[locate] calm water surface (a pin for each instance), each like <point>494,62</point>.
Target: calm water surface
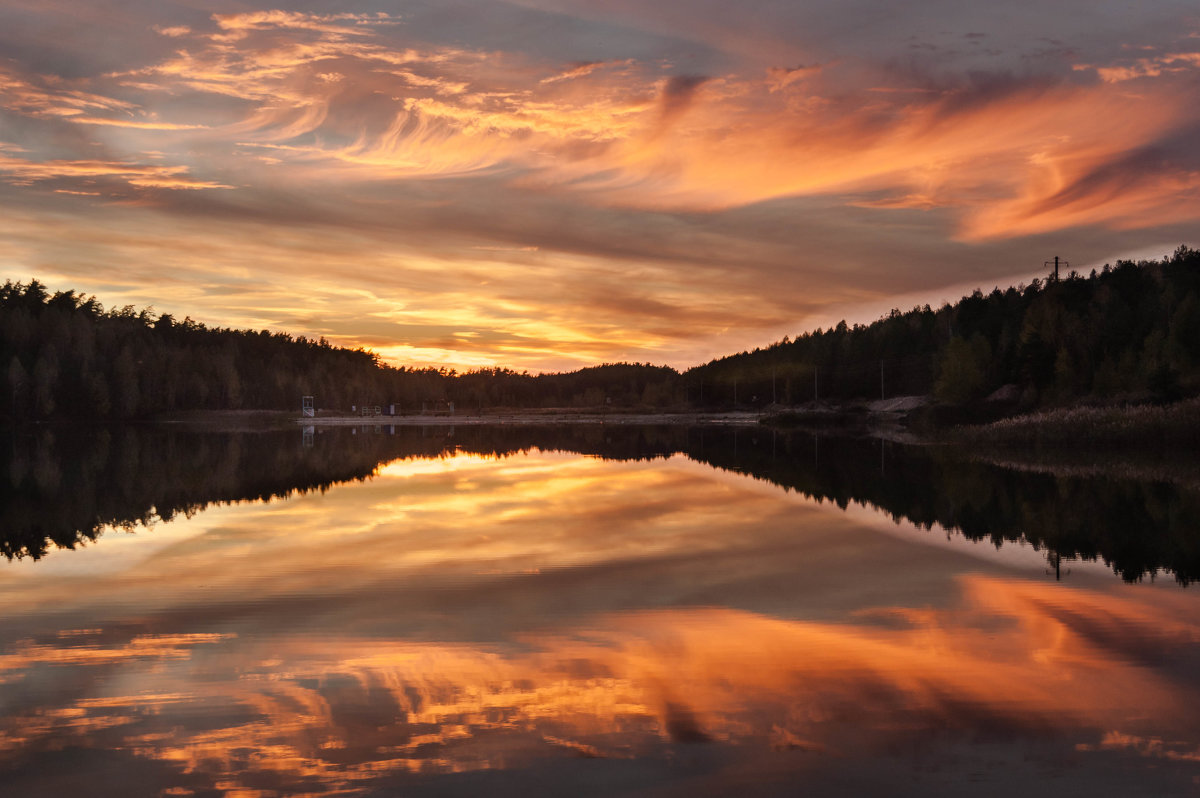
<point>358,613</point>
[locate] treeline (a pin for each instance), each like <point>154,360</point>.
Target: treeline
<point>1128,331</point>
<point>65,356</point>
<point>1131,331</point>
<point>612,384</point>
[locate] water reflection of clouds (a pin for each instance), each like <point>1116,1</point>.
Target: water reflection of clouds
<point>465,517</point>
<point>466,614</point>
<point>28,653</point>
<point>1013,658</point>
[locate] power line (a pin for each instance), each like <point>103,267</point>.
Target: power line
<point>1056,265</point>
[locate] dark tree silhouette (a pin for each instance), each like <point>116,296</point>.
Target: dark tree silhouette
<point>1127,332</point>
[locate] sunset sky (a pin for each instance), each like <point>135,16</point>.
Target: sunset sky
<point>548,184</point>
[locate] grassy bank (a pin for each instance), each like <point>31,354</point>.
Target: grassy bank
<point>1172,427</point>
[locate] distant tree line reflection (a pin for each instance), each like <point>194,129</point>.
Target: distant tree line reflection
<point>62,487</point>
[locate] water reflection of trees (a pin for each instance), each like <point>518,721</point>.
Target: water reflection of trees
<point>1136,527</point>
<point>64,486</point>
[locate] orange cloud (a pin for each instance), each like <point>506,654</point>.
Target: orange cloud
<point>583,70</point>
<point>50,97</point>
<point>1150,67</point>
<point>617,133</point>
<point>25,172</point>
<point>988,154</point>
<point>135,124</point>
<point>780,78</point>
<point>171,31</point>
<point>347,24</point>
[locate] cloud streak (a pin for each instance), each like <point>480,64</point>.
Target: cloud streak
<point>23,171</point>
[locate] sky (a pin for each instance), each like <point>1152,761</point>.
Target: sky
<point>549,184</point>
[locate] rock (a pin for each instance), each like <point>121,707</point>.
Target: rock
<point>1007,394</point>
<point>898,404</point>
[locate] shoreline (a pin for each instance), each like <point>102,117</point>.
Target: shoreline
<point>1140,442</point>
<point>1112,428</point>
<point>738,417</point>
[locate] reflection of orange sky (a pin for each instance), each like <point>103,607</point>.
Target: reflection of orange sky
<point>456,518</point>
<point>1031,658</point>
<point>278,640</point>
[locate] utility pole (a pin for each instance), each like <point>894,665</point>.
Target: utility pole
<point>1055,560</point>
<point>882,395</point>
<point>1056,265</point>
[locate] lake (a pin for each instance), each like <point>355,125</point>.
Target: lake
<point>588,610</point>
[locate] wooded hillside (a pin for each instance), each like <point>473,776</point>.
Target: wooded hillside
<point>1130,331</point>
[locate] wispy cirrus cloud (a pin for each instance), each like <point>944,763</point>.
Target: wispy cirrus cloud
<point>23,171</point>
<point>329,95</point>
<point>51,97</point>
<point>336,25</point>
<point>618,132</point>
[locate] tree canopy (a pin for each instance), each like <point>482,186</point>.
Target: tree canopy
<point>1130,330</point>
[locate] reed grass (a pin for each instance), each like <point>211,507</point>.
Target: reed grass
<point>1147,427</point>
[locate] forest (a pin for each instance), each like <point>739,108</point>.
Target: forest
<point>1129,332</point>
<point>65,356</point>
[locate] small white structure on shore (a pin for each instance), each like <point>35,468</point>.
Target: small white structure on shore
<point>306,407</point>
